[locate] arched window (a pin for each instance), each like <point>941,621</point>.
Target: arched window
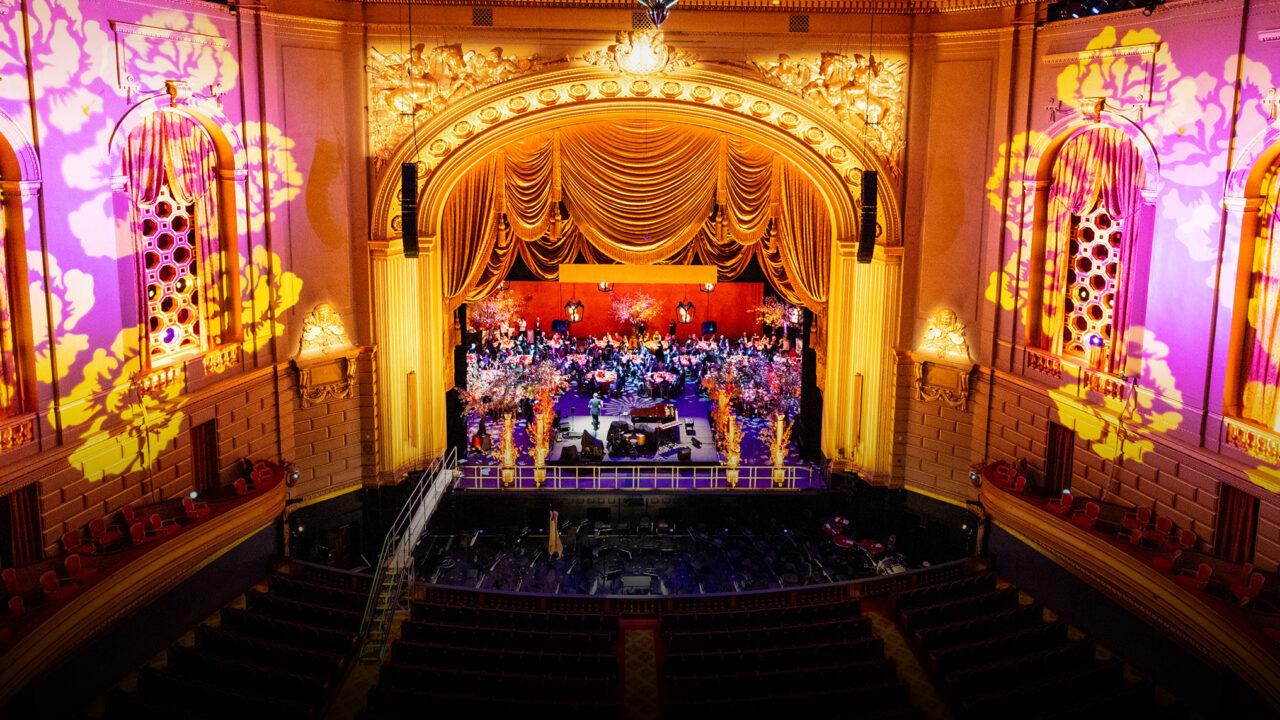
<point>11,283</point>
<point>1260,363</point>
<point>1094,199</point>
<point>172,168</point>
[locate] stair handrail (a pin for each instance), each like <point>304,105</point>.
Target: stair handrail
<point>396,557</point>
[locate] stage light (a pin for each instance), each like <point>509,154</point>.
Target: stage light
<point>573,311</point>
<point>605,287</point>
<point>193,494</point>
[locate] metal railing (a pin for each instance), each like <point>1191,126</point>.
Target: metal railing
<point>641,477</point>
<point>393,573</point>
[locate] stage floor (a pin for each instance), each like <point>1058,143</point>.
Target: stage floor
<point>668,453</point>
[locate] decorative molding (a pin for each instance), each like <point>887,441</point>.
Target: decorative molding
<point>126,80</point>
<point>17,432</point>
<point>1269,36</point>
<point>404,87</point>
<point>1043,362</point>
<point>1113,387</point>
<point>218,360</point>
<point>640,52</point>
<point>864,93</point>
<point>943,382</point>
<point>1258,443</point>
<point>328,378</point>
<point>322,330</point>
<point>861,7</point>
<point>158,379</point>
<point>1147,51</point>
<point>6,6</point>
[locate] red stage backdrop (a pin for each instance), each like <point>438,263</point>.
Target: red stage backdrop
<point>729,305</point>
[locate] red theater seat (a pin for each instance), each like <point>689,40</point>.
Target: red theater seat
<point>195,509</point>
<point>163,528</point>
<point>15,586</point>
<point>73,542</point>
<point>56,589</point>
<point>76,571</point>
<point>103,536</point>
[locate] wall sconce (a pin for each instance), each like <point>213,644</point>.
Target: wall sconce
<point>684,312</point>
<point>605,286</point>
<point>707,287</point>
<point>573,311</point>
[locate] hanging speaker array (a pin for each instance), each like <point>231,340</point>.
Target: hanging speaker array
<point>409,208</point>
<point>867,235</point>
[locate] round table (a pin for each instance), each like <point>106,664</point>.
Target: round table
<point>844,541</point>
<point>579,359</point>
<point>604,378</point>
<point>657,377</point>
<point>871,546</point>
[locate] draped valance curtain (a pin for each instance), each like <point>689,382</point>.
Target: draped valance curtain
<point>1097,168</point>
<point>168,148</point>
<point>1261,366</point>
<point>636,191</point>
<point>10,403</point>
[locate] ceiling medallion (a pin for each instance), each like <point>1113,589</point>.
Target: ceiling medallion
<point>640,52</point>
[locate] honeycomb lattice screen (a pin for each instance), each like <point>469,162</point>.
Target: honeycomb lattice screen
<point>640,20</point>
<point>170,267</point>
<point>1089,310</point>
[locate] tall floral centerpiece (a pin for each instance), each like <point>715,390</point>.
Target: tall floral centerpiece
<point>636,308</point>
<point>501,308</point>
<point>732,446</point>
<point>775,313</point>
<point>776,434</point>
<point>507,450</point>
<point>546,383</point>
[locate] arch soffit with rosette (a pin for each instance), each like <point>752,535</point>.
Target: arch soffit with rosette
<point>452,142</point>
<point>1039,167</point>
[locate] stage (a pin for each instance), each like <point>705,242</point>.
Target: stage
<point>703,451</point>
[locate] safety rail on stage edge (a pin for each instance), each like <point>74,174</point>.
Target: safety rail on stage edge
<point>393,572</point>
<point>649,605</point>
<point>669,476</point>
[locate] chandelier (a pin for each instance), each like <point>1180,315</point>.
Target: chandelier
<point>707,287</point>
<point>684,312</point>
<point>573,311</point>
<point>605,286</point>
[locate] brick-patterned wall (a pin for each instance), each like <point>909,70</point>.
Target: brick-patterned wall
<point>942,442</point>
<point>334,440</point>
<point>1160,472</point>
<point>245,410</point>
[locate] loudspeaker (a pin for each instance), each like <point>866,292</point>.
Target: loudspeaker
<point>709,327</point>
<point>409,208</point>
<point>569,455</point>
<point>684,455</point>
<point>460,366</point>
<point>560,326</point>
<point>867,237</point>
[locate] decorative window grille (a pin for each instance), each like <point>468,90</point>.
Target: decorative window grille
<point>1092,279</point>
<point>640,21</point>
<point>798,24</point>
<point>482,17</point>
<point>171,272</point>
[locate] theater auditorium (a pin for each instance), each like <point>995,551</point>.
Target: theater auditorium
<point>883,359</point>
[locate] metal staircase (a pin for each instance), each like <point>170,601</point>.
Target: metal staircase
<point>394,573</point>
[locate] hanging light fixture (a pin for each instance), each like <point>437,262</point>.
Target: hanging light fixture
<point>573,311</point>
<point>605,286</point>
<point>707,287</point>
<point>795,315</point>
<point>504,286</point>
<point>684,312</point>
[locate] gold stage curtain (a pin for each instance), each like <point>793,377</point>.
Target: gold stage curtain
<point>1097,167</point>
<point>469,243</point>
<point>1261,364</point>
<point>636,192</point>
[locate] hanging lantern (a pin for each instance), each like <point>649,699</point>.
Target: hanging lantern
<point>684,312</point>
<point>605,286</point>
<point>573,311</point>
<point>707,287</point>
<point>504,286</point>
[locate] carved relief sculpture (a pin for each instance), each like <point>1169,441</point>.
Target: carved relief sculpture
<point>326,358</point>
<point>864,92</point>
<point>404,85</point>
<point>942,364</point>
<point>640,52</point>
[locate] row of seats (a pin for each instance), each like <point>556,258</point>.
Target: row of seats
<point>679,664</point>
<point>395,703</point>
<point>966,586</point>
<point>995,657</point>
<point>759,618</point>
<point>485,636</point>
<point>279,657</point>
<point>738,638</point>
<point>317,594</point>
<point>779,682</point>
<point>472,658</point>
<point>881,700</point>
<point>519,619</point>
<point>539,681</point>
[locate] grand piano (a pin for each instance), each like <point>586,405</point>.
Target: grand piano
<point>662,417</point>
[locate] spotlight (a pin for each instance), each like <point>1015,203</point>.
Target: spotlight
<point>193,494</point>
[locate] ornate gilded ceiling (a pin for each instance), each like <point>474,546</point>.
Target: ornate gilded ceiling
<point>861,7</point>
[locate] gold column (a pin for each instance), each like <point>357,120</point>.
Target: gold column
<point>396,297</point>
<point>863,318</point>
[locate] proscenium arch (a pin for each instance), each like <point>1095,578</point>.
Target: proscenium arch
<point>799,143</point>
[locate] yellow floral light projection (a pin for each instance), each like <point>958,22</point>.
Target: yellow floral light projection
<point>71,297</point>
<point>283,176</point>
<point>1011,166</point>
<point>268,289</point>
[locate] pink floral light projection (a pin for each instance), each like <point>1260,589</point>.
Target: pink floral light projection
<point>97,67</point>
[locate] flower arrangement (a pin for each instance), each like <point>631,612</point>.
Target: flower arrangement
<point>775,313</point>
<point>636,308</point>
<point>731,444</point>
<point>502,307</point>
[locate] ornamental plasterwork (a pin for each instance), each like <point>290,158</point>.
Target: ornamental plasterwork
<point>440,144</point>
<point>17,434</point>
<point>1257,443</point>
<point>864,92</point>
<point>640,52</point>
<point>403,86</point>
<point>945,336</point>
<point>322,331</point>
